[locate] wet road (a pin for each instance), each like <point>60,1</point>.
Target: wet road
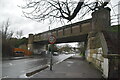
<point>16,68</point>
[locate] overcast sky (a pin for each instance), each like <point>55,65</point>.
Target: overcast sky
<point>9,9</point>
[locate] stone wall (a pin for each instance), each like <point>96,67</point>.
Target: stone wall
<point>95,50</point>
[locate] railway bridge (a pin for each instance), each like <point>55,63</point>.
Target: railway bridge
<point>76,32</point>
<point>91,31</point>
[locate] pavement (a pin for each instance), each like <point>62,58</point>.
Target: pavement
<point>74,67</point>
<point>56,60</point>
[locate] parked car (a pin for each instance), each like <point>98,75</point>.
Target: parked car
<point>43,53</point>
<point>66,52</point>
<point>55,54</point>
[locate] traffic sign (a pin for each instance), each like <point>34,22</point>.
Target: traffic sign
<point>52,39</point>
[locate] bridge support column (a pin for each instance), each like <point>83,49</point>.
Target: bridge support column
<point>91,46</point>
<point>100,22</point>
<point>101,19</point>
<point>30,42</point>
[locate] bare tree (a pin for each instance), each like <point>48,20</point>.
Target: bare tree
<point>41,10</point>
<point>19,34</point>
<point>6,34</point>
<point>66,48</point>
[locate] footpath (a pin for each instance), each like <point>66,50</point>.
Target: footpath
<point>74,67</point>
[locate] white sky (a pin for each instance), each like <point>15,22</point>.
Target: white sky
<point>9,9</point>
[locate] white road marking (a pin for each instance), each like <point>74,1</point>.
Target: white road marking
<point>10,64</point>
<point>5,77</point>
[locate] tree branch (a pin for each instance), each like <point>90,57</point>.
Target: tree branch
<point>76,10</point>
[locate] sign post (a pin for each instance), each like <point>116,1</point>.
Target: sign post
<point>52,40</point>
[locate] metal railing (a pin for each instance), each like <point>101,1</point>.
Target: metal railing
<point>115,19</point>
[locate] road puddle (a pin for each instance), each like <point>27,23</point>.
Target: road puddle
<point>70,62</point>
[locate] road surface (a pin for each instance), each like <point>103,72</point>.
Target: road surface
<point>16,68</point>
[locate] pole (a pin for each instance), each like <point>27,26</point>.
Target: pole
<point>49,28</point>
<point>51,54</point>
<point>51,57</point>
